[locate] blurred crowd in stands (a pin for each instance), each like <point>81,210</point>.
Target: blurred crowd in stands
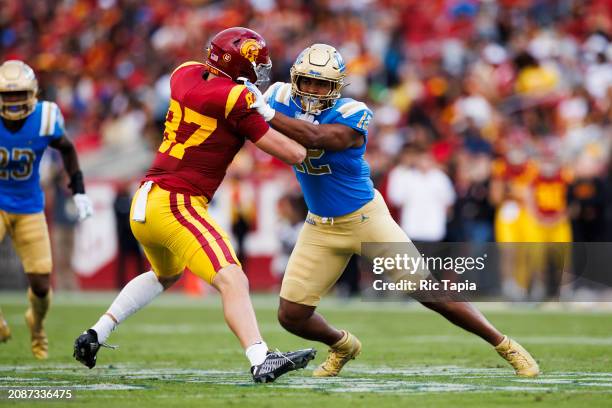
<point>492,119</point>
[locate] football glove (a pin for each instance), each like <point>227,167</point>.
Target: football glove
<point>84,206</point>
<point>260,103</point>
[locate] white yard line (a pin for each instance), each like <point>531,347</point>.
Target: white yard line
<point>358,378</point>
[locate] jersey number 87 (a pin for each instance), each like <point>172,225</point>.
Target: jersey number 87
<point>202,126</point>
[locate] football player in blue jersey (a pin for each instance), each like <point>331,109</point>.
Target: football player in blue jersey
<point>344,208</point>
<point>27,127</point>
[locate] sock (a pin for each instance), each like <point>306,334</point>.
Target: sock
<point>256,353</point>
<point>138,293</point>
<point>104,327</point>
<point>39,306</point>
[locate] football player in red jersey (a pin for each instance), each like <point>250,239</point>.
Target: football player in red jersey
<point>208,121</point>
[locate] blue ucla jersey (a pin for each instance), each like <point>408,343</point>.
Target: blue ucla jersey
<point>20,155</point>
<point>334,183</point>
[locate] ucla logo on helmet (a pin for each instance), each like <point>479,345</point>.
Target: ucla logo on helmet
<point>250,49</point>
<point>340,61</point>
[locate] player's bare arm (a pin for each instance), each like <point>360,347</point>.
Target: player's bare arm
<point>69,155</point>
<point>77,185</point>
<point>331,137</point>
<point>280,146</point>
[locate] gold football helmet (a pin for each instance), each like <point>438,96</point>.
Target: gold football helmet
<point>323,62</point>
<point>18,89</point>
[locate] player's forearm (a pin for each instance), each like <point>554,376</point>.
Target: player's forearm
<point>303,132</point>
<point>71,161</point>
<point>71,164</point>
<point>278,145</point>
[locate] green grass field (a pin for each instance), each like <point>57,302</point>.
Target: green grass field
<point>178,352</point>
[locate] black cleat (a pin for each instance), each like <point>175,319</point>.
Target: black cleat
<point>86,347</point>
<point>277,364</point>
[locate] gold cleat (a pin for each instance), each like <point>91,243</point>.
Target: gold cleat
<point>5,330</point>
<point>347,348</point>
<point>519,358</point>
<point>40,344</point>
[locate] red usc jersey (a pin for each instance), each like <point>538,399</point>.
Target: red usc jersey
<point>207,124</point>
<point>550,195</point>
<point>521,174</point>
<point>516,178</point>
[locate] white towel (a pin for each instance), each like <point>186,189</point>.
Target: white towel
<point>140,208</point>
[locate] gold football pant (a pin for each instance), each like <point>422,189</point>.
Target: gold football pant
<point>325,246</point>
<point>30,238</point>
<point>178,232</point>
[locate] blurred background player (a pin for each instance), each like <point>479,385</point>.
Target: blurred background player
<point>511,177</point>
<point>550,229</point>
<point>128,246</point>
<point>208,121</point>
<point>345,210</point>
<point>27,127</point>
<point>292,211</point>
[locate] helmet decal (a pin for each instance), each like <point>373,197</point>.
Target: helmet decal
<point>250,49</point>
<point>340,62</point>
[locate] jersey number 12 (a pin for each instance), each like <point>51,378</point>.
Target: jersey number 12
<point>307,167</point>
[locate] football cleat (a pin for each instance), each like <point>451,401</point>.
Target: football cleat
<point>5,330</point>
<point>40,344</point>
<point>346,349</point>
<point>86,348</point>
<point>524,365</point>
<point>277,364</point>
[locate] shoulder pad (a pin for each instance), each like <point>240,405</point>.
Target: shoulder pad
<point>49,117</point>
<point>281,93</point>
<point>186,64</point>
<point>348,107</point>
